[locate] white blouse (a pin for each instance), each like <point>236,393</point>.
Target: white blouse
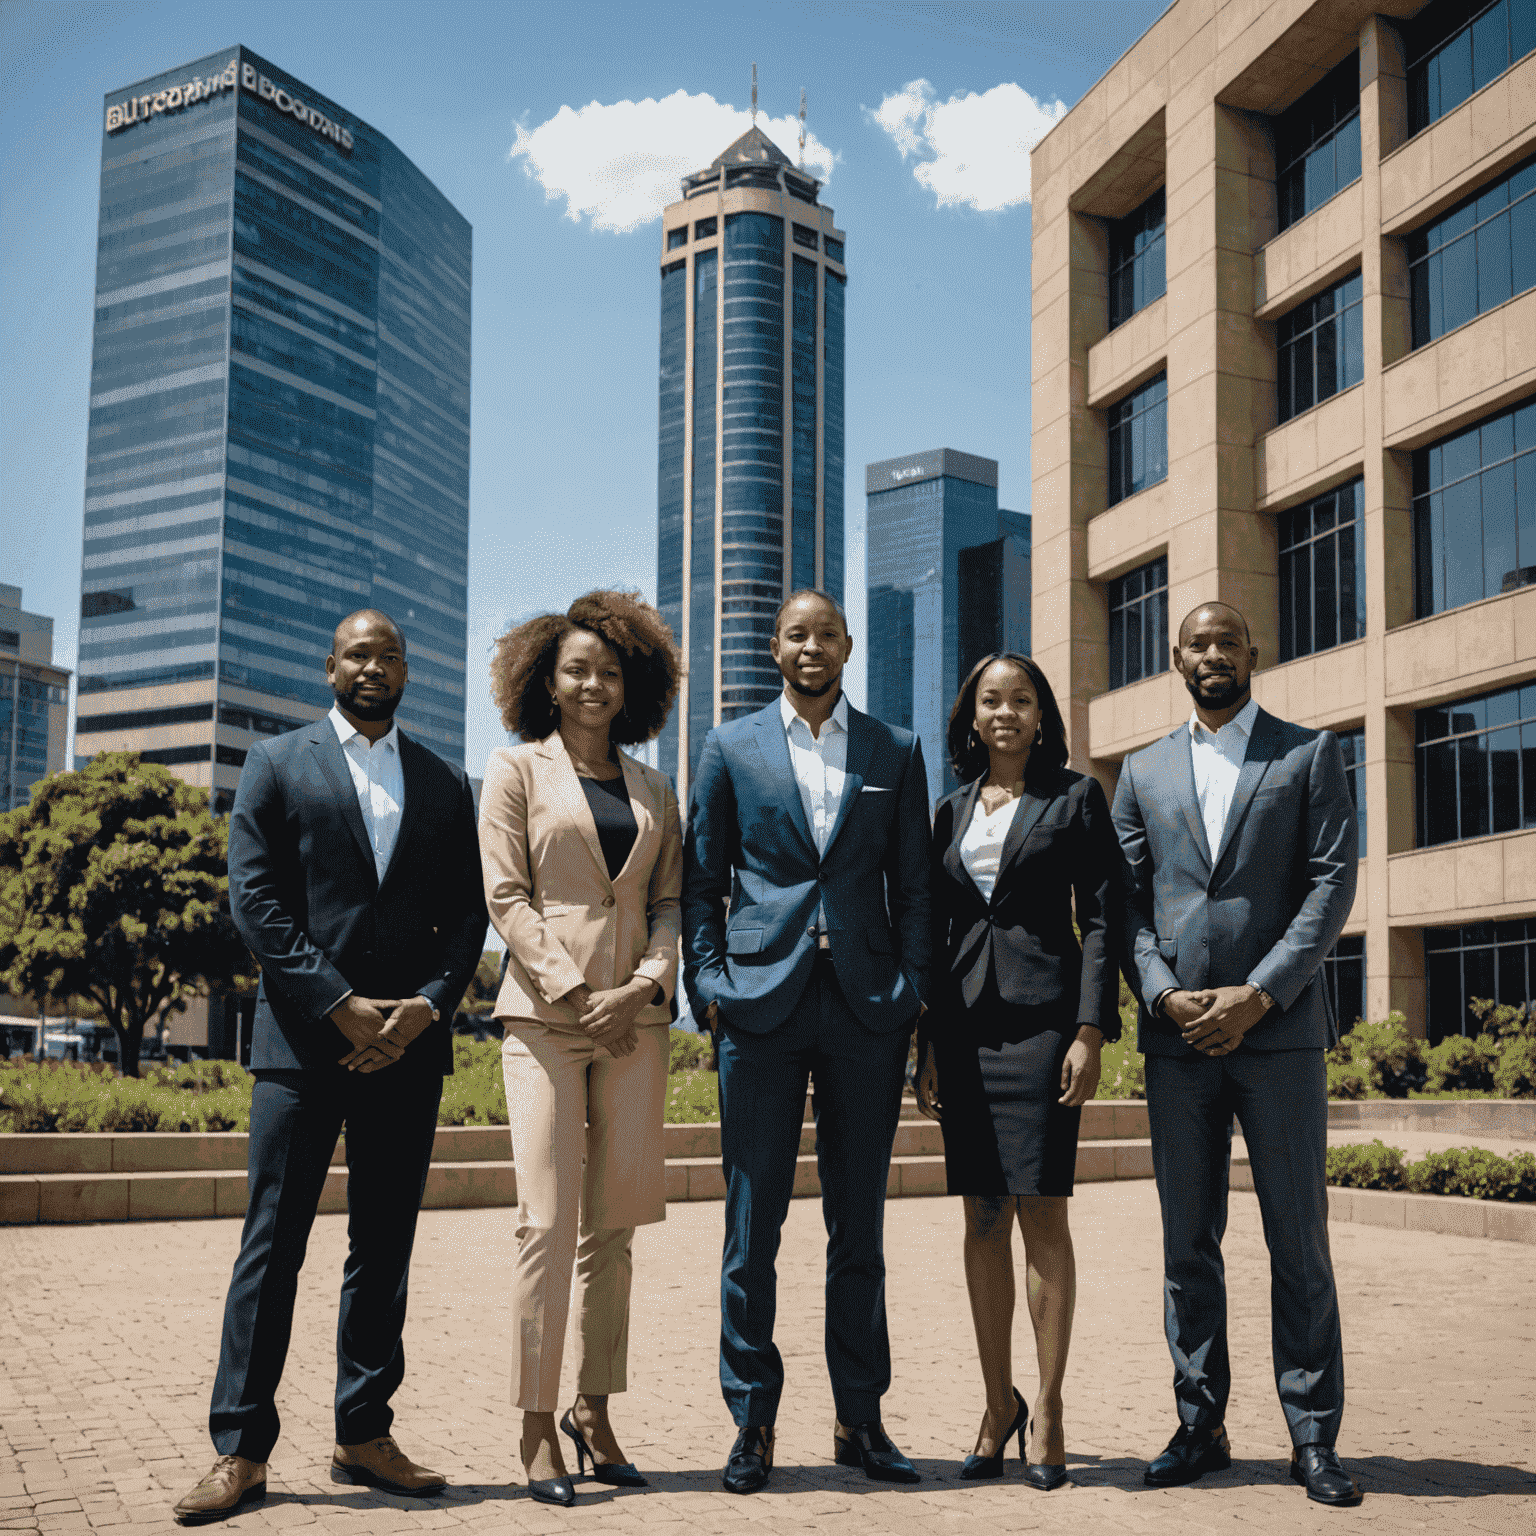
<point>981,849</point>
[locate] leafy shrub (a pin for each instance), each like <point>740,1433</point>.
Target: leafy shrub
<point>1461,1061</point>
<point>1514,1074</point>
<point>1476,1172</point>
<point>1389,1059</point>
<point>689,1051</point>
<point>1347,1079</point>
<point>1123,1073</point>
<point>693,1098</point>
<point>1376,1166</point>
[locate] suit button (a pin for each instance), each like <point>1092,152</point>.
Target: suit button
<point>811,931</point>
<point>607,901</point>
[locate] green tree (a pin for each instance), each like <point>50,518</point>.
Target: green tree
<point>114,886</point>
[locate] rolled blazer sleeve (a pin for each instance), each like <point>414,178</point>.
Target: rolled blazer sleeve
<point>1332,846</point>
<point>509,882</point>
<point>1096,897</point>
<point>664,904</point>
<point>290,961</point>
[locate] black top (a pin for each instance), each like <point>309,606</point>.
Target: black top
<point>615,818</point>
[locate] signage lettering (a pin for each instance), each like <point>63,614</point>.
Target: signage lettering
<point>907,474</point>
<point>139,109</point>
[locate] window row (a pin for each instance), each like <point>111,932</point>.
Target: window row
<point>1455,49</point>
<point>801,234</point>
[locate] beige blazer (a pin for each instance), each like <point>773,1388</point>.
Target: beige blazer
<point>548,892</point>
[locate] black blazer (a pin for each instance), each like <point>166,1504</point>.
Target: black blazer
<point>307,900</point>
<point>1061,844</point>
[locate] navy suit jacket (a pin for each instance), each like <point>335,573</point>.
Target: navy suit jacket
<point>1265,907</point>
<point>307,899</point>
<point>748,843</point>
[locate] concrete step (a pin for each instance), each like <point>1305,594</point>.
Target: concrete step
<point>161,1195</point>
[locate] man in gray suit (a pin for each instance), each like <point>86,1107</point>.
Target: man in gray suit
<point>1241,843</point>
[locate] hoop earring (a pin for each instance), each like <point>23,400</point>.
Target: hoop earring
<point>1039,734</point>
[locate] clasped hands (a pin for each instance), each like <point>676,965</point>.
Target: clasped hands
<point>1215,1019</point>
<point>608,1017</point>
<point>379,1028</point>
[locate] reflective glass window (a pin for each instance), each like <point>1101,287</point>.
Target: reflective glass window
<point>1471,758</point>
<point>677,237</point>
<point>1137,263</point>
<point>1455,49</point>
<point>1344,977</point>
<point>1322,572</point>
<point>1319,348</point>
<point>1317,143</point>
<point>1138,623</point>
<point>1138,440</point>
<point>1352,743</point>
<point>1493,961</point>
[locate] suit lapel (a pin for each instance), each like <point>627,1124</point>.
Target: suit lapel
<point>333,763</point>
<point>1031,808</point>
<point>1255,762</point>
<point>965,809</point>
<point>568,795</point>
<point>861,745</point>
<point>413,787</point>
<point>639,792</point>
<point>774,746</point>
<point>1184,788</point>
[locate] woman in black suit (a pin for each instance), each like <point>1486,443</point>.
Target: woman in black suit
<point>1010,1048</point>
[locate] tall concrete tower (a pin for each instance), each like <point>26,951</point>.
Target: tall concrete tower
<point>750,457</point>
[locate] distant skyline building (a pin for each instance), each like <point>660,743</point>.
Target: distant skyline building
<point>948,575</point>
<point>279,423</point>
<point>750,449</point>
<point>34,701</point>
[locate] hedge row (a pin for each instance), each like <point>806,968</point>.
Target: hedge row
<point>1383,1059</point>
<point>1470,1171</point>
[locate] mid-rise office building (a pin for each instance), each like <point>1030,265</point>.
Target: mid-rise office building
<point>279,421</point>
<point>34,701</point>
<point>749,483</point>
<point>1284,331</point>
<point>948,575</point>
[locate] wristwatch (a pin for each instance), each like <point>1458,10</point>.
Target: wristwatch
<point>1264,998</point>
<point>436,1012</point>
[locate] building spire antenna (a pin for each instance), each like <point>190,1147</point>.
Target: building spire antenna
<point>802,127</point>
<point>754,95</point>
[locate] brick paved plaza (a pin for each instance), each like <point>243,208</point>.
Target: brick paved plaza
<point>109,1333</point>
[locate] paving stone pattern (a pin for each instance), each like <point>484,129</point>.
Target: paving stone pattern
<point>108,1337</point>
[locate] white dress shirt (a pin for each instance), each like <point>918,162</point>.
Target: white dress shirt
<point>981,849</point>
<point>820,765</point>
<point>379,782</point>
<point>1218,759</point>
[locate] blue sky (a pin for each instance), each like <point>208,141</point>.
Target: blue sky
<point>563,484</point>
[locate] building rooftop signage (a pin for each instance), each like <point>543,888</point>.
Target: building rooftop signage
<point>139,109</point>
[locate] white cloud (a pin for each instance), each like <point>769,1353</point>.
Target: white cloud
<point>972,150</point>
<point>620,164</point>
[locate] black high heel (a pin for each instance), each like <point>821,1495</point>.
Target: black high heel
<point>615,1474</point>
<point>1043,1475</point>
<point>992,1466</point>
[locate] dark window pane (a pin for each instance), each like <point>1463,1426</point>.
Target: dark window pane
<point>1351,597</point>
<point>1490,45</point>
<point>1463,544</point>
<point>1347,153</point>
<point>1504,771</point>
<point>1458,278</point>
<point>1522,29</point>
<point>1472,785</point>
<point>1437,792</point>
<point>1522,233</point>
<point>1500,548</point>
<point>1493,265</point>
<point>1456,73</point>
<point>1353,364</point>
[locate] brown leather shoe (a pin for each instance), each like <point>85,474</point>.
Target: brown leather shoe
<point>382,1464</point>
<point>233,1483</point>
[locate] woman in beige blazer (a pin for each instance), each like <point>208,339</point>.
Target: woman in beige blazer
<point>582,853</point>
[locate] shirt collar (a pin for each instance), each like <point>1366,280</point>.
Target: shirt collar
<point>838,717</point>
<point>1242,722</point>
<point>345,731</point>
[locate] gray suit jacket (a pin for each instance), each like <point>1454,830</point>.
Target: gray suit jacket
<point>1270,904</point>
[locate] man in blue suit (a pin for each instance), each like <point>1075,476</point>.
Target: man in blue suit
<point>1240,838</point>
<point>354,877</point>
<point>810,820</point>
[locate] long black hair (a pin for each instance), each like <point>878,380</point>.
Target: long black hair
<point>969,754</point>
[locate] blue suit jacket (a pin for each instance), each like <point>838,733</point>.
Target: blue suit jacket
<point>748,841</point>
<point>307,899</point>
<point>1266,907</point>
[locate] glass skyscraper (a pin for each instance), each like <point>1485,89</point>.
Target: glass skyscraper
<point>34,701</point>
<point>948,573</point>
<point>279,423</point>
<point>750,461</point>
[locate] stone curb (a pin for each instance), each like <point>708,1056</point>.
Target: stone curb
<point>1454,1215</point>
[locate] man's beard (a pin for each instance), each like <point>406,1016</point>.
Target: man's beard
<point>1229,692</point>
<point>806,691</point>
<point>381,706</point>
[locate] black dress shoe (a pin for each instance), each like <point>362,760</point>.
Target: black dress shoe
<point>867,1445</point>
<point>750,1461</point>
<point>1318,1470</point>
<point>975,1466</point>
<point>1043,1475</point>
<point>1191,1454</point>
<point>617,1474</point>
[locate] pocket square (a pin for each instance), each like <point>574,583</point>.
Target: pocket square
<point>876,789</point>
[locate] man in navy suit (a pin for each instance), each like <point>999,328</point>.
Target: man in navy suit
<point>811,820</point>
<point>354,877</point>
<point>1240,838</point>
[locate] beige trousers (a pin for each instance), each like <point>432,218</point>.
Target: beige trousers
<point>587,1143</point>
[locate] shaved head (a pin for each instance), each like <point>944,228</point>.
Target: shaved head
<point>364,618</point>
<point>1224,610</point>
